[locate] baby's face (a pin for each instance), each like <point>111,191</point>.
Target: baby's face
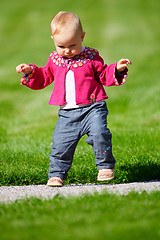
<point>69,44</point>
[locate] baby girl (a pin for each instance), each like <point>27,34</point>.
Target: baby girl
<point>79,74</point>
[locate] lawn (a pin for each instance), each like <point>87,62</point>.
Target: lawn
<point>104,216</point>
<point>118,29</point>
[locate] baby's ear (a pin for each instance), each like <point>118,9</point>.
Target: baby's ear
<point>82,37</point>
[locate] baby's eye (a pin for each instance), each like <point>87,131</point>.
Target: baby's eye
<point>61,46</point>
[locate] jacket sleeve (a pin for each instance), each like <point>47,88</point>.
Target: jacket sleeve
<point>108,75</point>
<point>40,77</point>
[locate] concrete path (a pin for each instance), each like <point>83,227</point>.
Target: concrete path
<point>12,193</point>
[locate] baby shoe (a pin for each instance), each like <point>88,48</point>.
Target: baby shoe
<point>105,174</point>
<point>55,182</point>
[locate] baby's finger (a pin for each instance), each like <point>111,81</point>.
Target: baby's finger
<point>123,66</point>
<point>125,61</point>
<point>24,68</point>
<point>128,61</point>
<point>19,68</point>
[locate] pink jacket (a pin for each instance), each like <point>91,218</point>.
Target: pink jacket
<point>90,74</point>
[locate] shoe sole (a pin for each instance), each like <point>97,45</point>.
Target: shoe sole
<point>54,185</point>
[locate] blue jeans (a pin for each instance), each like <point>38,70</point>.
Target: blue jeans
<point>71,126</point>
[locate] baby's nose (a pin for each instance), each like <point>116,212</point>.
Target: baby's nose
<point>67,50</point>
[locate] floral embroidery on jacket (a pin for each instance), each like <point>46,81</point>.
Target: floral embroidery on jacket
<point>92,98</point>
<point>78,61</point>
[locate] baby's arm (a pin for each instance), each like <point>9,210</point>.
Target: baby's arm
<point>36,77</point>
<point>112,75</point>
<point>24,68</point>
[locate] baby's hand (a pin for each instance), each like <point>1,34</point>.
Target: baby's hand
<point>122,64</point>
<point>24,68</point>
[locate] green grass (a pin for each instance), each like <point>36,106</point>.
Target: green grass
<point>105,216</point>
<point>118,29</point>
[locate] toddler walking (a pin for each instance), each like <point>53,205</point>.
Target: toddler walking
<point>79,74</point>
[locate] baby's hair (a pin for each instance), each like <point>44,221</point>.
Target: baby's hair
<point>65,20</point>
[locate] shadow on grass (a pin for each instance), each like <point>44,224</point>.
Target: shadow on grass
<point>137,173</point>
